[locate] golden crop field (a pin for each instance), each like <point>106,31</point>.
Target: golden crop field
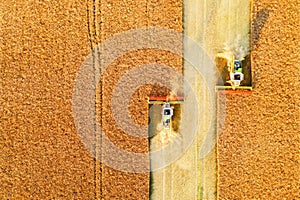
<point>75,77</point>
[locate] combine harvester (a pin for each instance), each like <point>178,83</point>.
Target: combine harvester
<point>236,77</point>
<point>167,110</point>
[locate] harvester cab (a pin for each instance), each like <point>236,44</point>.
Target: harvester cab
<point>236,75</point>
<point>167,113</point>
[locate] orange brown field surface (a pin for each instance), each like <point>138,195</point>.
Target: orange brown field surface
<point>44,43</point>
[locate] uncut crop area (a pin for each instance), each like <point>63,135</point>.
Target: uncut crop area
<point>43,46</point>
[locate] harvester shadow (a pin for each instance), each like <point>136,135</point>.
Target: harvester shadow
<point>258,23</point>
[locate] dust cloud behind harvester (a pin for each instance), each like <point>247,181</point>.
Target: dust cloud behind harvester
<point>228,28</point>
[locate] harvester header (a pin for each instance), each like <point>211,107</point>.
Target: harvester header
<point>164,99</point>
